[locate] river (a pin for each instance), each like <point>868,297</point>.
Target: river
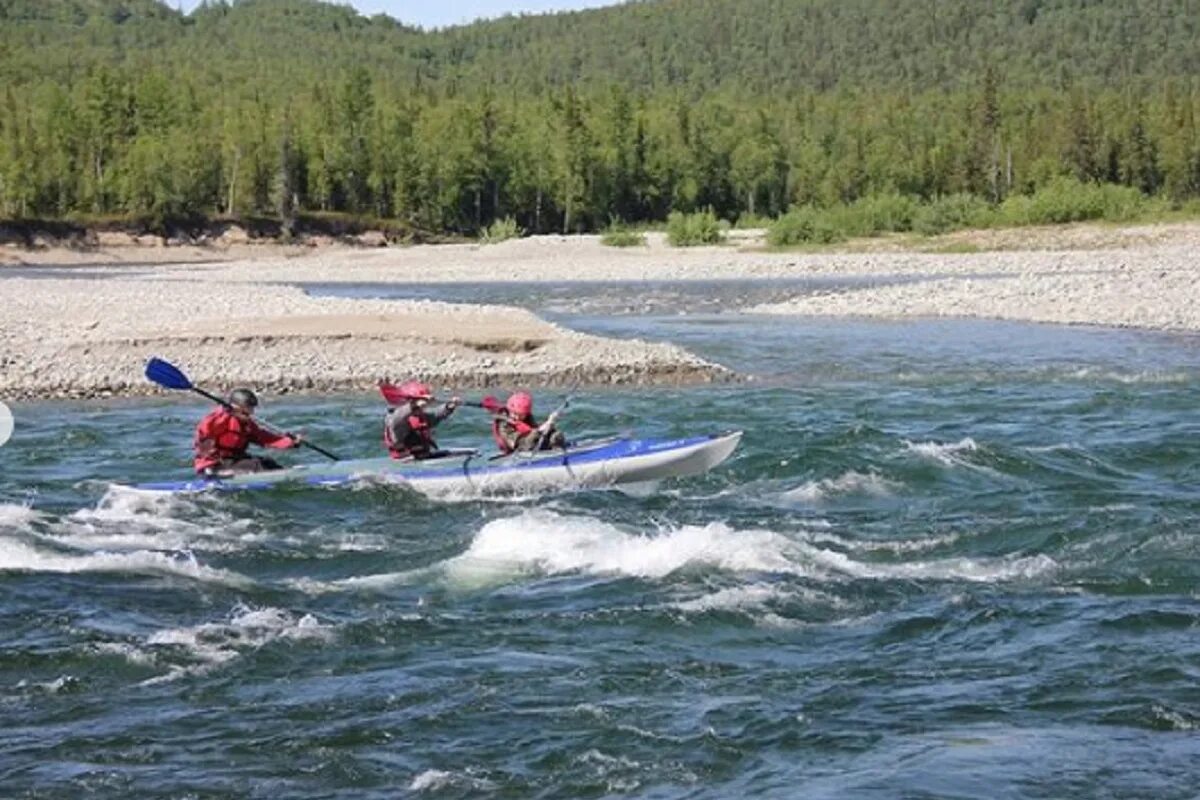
<point>950,559</point>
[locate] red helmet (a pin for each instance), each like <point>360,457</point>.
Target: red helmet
<point>520,404</point>
<point>415,390</point>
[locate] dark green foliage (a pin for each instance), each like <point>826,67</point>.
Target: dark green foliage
<point>617,234</point>
<point>1068,200</point>
<point>872,109</point>
<point>951,213</point>
<point>806,225</point>
<point>501,230</point>
<point>690,230</point>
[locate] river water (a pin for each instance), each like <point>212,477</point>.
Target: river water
<point>951,559</point>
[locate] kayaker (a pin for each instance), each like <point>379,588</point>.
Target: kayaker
<point>408,426</point>
<point>223,436</point>
<point>516,429</point>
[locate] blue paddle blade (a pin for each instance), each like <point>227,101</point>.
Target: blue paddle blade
<point>166,374</point>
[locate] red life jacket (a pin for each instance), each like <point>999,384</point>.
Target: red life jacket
<point>522,428</point>
<point>221,436</point>
<point>419,441</point>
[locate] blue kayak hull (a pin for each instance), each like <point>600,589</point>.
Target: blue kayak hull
<point>587,465</point>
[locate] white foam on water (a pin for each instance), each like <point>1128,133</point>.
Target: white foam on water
<point>17,517</point>
<point>1058,447</point>
<point>433,780</point>
<point>897,546</point>
<point>640,490</point>
<point>734,598</point>
<point>50,687</point>
<point>755,601</point>
<point>130,652</point>
<point>1173,719</point>
<point>871,484</point>
<point>542,543</point>
<point>17,556</point>
<point>215,643</point>
<point>129,519</point>
<point>946,454</point>
<point>1130,378</point>
<point>359,543</point>
<point>982,570</point>
<point>546,543</point>
<point>1111,507</point>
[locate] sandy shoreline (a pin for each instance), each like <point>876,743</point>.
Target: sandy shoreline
<point>232,317</point>
<point>81,338</point>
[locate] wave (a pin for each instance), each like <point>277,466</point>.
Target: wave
<point>127,519</point>
<point>436,780</point>
<point>1140,377</point>
<point>17,556</point>
<point>946,454</point>
<point>897,546</point>
<point>541,543</point>
<point>63,683</point>
<point>212,644</point>
<point>546,543</point>
<point>17,517</point>
<point>849,483</point>
<point>758,601</point>
<point>735,598</point>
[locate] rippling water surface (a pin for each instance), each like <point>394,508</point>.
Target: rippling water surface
<point>950,559</point>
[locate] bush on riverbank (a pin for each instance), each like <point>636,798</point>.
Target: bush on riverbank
<point>870,216</point>
<point>690,230</point>
<point>618,234</point>
<point>804,225</point>
<point>501,230</point>
<point>1068,200</point>
<point>951,213</point>
<point>1063,200</point>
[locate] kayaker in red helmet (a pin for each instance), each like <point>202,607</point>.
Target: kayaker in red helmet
<point>515,428</point>
<point>408,426</point>
<point>223,436</point>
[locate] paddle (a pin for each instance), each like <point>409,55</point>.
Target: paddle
<point>168,376</point>
<point>554,414</point>
<point>394,397</point>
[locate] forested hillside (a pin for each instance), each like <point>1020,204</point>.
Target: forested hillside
<point>270,107</point>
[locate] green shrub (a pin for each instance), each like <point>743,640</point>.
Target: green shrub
<point>618,235</point>
<point>748,221</point>
<point>1069,200</point>
<point>1190,208</point>
<point>952,212</point>
<point>500,230</point>
<point>804,225</point>
<point>1124,203</point>
<point>885,213</point>
<point>688,230</point>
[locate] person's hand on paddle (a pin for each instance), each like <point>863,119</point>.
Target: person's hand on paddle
<point>492,405</point>
<point>548,425</point>
<point>453,403</point>
<point>297,440</point>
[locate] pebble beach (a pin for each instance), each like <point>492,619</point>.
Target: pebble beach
<point>81,323</point>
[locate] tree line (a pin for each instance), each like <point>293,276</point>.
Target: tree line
<point>131,109</point>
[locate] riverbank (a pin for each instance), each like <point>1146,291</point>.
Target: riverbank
<point>232,316</point>
<point>75,337</point>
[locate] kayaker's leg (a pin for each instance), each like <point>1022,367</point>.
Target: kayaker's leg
<point>555,441</point>
<point>241,466</point>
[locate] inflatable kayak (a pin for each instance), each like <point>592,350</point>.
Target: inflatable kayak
<point>600,463</point>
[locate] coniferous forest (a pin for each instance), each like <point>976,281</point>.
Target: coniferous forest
<point>275,108</point>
